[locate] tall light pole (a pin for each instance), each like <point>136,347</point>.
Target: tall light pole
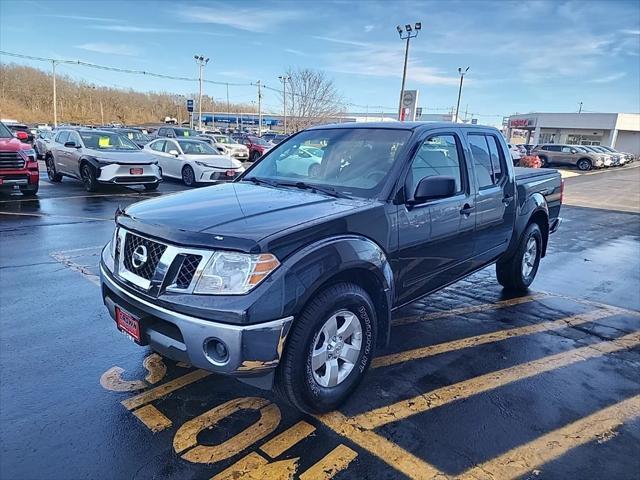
<point>201,61</point>
<point>408,33</point>
<point>259,84</point>
<point>461,72</point>
<point>284,79</point>
<point>55,95</point>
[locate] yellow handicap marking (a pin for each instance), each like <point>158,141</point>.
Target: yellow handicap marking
<point>156,370</point>
<point>164,389</point>
<point>255,467</point>
<point>337,460</point>
<point>185,441</point>
<point>287,439</point>
<point>153,418</point>
<point>519,461</point>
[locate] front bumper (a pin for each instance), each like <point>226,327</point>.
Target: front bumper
<point>252,349</point>
<point>120,173</point>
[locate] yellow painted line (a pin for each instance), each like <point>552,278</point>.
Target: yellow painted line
<point>82,270</point>
<point>521,460</point>
<point>394,455</point>
<point>185,442</point>
<point>422,403</point>
<point>155,367</point>
<point>54,216</point>
<point>287,439</point>
<point>591,303</point>
<point>164,389</point>
<point>337,460</point>
<point>153,418</point>
<point>469,342</point>
<point>470,309</point>
<point>256,467</point>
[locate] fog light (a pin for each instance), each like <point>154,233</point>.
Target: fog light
<point>217,351</point>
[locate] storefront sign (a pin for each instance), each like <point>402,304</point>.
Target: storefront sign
<point>522,122</point>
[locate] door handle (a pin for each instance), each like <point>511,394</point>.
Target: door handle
<point>467,209</point>
<point>507,199</point>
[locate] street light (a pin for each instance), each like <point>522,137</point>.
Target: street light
<point>284,79</point>
<point>408,34</point>
<point>201,61</point>
<point>462,73</point>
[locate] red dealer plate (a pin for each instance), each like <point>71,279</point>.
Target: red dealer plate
<point>128,324</point>
<point>231,173</point>
<point>135,171</point>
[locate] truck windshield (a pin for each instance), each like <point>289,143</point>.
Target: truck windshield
<point>355,161</point>
<point>5,132</point>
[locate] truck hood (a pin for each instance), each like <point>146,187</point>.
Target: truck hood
<point>234,215</point>
<point>12,145</point>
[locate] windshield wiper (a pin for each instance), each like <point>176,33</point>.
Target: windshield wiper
<point>261,181</point>
<point>319,188</point>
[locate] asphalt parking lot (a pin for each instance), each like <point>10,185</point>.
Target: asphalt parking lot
<point>475,384</point>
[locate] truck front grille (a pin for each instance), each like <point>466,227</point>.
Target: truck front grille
<point>11,161</point>
<point>153,252</point>
<point>187,270</point>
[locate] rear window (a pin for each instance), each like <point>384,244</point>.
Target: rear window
<point>4,131</point>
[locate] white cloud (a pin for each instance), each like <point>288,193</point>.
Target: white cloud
<point>368,28</point>
<point>83,18</point>
<point>342,41</point>
<point>109,48</point>
<point>133,29</point>
<point>253,19</point>
<point>609,78</point>
<point>295,52</point>
<point>630,32</point>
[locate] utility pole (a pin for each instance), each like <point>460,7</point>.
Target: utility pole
<point>55,95</point>
<point>580,109</point>
<point>407,35</point>
<point>259,108</point>
<point>461,72</point>
<point>284,79</point>
<point>201,61</point>
<point>228,106</point>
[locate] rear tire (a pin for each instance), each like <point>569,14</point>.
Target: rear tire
<point>313,376</point>
<point>88,177</point>
<point>544,161</point>
<point>188,176</point>
<point>518,272</point>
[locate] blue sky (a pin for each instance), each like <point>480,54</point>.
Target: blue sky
<point>523,56</point>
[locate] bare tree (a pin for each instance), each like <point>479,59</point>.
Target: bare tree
<point>312,98</point>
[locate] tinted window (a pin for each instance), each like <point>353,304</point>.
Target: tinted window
<point>75,138</point>
<point>62,137</point>
<point>169,146</point>
<point>566,149</point>
<point>438,156</point>
<point>497,158</point>
<point>481,160</point>
<point>190,147</point>
<point>4,131</point>
<point>552,148</point>
<point>157,146</point>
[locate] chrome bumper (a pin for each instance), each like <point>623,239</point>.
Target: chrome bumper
<point>251,349</point>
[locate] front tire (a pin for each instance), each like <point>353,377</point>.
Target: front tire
<point>518,272</point>
<point>88,177</point>
<point>544,161</point>
<point>188,176</point>
<point>584,165</point>
<point>52,173</point>
<point>329,349</point>
<point>29,191</point>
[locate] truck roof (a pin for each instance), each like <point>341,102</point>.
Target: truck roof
<point>397,125</point>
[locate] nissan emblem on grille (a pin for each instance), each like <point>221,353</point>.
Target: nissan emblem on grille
<point>139,256</point>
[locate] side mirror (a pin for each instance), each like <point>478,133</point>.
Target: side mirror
<point>174,153</point>
<point>70,144</point>
<point>431,188</point>
<point>573,150</point>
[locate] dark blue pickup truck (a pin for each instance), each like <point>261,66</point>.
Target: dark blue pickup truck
<point>290,274</point>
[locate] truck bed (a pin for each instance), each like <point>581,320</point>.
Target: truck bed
<point>545,181</point>
<point>523,173</point>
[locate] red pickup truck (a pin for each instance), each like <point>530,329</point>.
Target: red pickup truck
<point>18,164</point>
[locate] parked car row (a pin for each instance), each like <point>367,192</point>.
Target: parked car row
<point>583,157</point>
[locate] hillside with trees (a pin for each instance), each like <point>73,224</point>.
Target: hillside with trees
<point>26,94</point>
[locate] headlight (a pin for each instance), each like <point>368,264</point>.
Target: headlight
<point>28,153</point>
<point>202,164</point>
<point>229,273</point>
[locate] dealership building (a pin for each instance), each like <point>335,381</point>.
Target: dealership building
<point>616,130</point>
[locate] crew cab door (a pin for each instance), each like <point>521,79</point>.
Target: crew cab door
<point>435,238</point>
<point>495,199</point>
